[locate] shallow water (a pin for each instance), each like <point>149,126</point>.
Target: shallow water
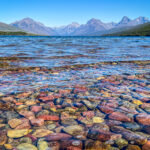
<point>98,85</point>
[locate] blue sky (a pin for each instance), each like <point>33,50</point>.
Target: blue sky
<point>62,12</point>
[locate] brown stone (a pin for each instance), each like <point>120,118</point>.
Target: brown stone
<point>120,117</point>
<point>143,119</point>
<point>57,136</point>
<point>146,146</point>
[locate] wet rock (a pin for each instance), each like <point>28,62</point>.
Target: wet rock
<point>27,114</point>
<point>49,117</point>
<point>129,135</point>
<point>25,140</point>
<point>143,119</point>
<point>42,145</point>
<point>146,129</point>
<point>96,145</point>
<point>98,120</point>
<point>26,146</point>
<point>133,147</point>
<point>57,137</point>
<point>88,114</point>
<point>8,146</point>
<point>3,137</point>
<point>131,126</point>
<point>17,133</point>
<point>41,133</point>
<point>54,145</point>
<point>88,104</point>
<point>51,126</point>
<point>99,135</point>
<point>37,122</point>
<point>73,129</point>
<point>25,124</point>
<point>121,143</point>
<point>146,146</point>
<point>36,108</point>
<point>69,121</point>
<point>120,117</point>
<point>106,109</point>
<point>14,123</point>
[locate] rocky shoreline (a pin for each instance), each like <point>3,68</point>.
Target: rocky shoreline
<point>112,113</point>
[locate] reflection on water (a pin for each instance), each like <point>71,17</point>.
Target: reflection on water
<point>75,93</point>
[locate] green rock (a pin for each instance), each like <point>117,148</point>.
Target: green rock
<point>73,130</point>
<point>26,140</point>
<point>26,146</point>
<point>42,145</point>
<point>121,143</point>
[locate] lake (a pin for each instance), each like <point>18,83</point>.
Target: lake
<point>75,92</point>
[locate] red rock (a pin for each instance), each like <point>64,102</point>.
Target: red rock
<point>79,88</point>
<point>127,110</point>
<point>37,122</point>
<point>57,136</point>
<point>36,108</point>
<point>27,114</point>
<point>25,124</point>
<point>49,117</point>
<point>120,117</point>
<point>65,91</point>
<point>73,148</point>
<point>106,109</point>
<point>143,119</point>
<point>71,143</point>
<point>88,114</point>
<point>47,98</point>
<point>146,146</point>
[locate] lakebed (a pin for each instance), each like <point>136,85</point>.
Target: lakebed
<point>75,93</point>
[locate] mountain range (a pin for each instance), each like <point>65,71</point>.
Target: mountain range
<point>92,27</point>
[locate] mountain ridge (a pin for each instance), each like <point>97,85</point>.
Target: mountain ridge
<point>75,29</point>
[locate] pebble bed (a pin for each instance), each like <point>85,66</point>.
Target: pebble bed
<point>111,112</point>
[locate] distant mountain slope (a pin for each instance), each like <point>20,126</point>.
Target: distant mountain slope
<point>67,30</point>
<point>140,30</point>
<point>6,27</point>
<point>32,26</point>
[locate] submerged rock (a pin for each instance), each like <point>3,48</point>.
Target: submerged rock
<point>26,146</point>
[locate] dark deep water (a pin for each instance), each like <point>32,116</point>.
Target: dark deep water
<point>73,93</point>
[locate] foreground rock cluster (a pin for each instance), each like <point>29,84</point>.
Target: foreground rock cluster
<point>112,113</point>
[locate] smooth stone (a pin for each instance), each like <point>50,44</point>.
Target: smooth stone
<point>25,124</point>
<point>51,126</point>
<point>98,120</point>
<point>69,121</point>
<point>133,147</point>
<point>3,138</point>
<point>143,119</point>
<point>49,117</point>
<point>17,133</point>
<point>88,104</point>
<point>26,146</point>
<point>14,123</point>
<point>36,108</point>
<point>27,114</point>
<point>26,140</point>
<point>129,135</point>
<point>120,117</point>
<point>73,129</point>
<point>41,133</point>
<point>57,136</point>
<point>37,122</point>
<point>131,126</point>
<point>121,143</point>
<point>42,145</point>
<point>146,146</point>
